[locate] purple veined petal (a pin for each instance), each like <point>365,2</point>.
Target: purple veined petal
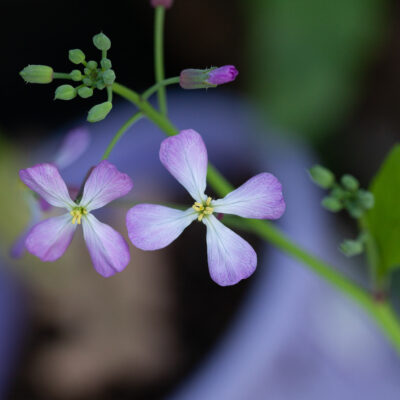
<point>46,181</point>
<point>185,157</point>
<point>107,248</point>
<point>49,239</point>
<point>152,227</point>
<point>230,258</point>
<point>260,197</point>
<point>74,145</point>
<point>105,184</point>
<point>44,205</point>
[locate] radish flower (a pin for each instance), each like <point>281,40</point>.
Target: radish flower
<point>49,239</point>
<point>230,258</point>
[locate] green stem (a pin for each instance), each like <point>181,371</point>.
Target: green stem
<point>381,311</point>
<point>157,86</point>
<point>159,56</point>
<point>136,117</point>
<point>61,75</point>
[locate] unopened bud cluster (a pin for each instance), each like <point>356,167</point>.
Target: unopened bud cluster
<point>94,76</point>
<point>344,195</point>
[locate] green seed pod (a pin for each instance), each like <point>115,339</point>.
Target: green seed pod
<point>76,56</point>
<point>102,42</point>
<point>37,74</point>
<point>105,63</point>
<point>85,92</point>
<point>351,247</point>
<point>109,77</point>
<point>350,183</point>
<point>65,92</point>
<point>76,75</point>
<point>365,199</point>
<point>99,112</point>
<point>322,176</point>
<point>92,65</point>
<point>331,204</point>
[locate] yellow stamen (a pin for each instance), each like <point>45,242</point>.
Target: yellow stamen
<point>77,214</point>
<point>203,209</point>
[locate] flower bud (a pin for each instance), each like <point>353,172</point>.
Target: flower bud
<point>102,42</point>
<point>350,183</point>
<point>99,112</point>
<point>206,78</point>
<point>331,204</point>
<point>76,56</point>
<point>351,247</point>
<point>163,3</point>
<point>322,176</point>
<point>105,63</point>
<point>87,81</point>
<point>76,75</point>
<point>365,199</point>
<point>65,92</point>
<point>91,65</point>
<point>109,77</point>
<point>85,92</point>
<point>100,84</point>
<point>37,74</point>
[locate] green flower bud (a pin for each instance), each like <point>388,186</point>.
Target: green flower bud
<point>109,77</point>
<point>365,199</point>
<point>102,42</point>
<point>331,204</point>
<point>322,176</point>
<point>65,92</point>
<point>105,63</point>
<point>350,183</point>
<point>37,74</point>
<point>351,247</point>
<point>92,65</point>
<point>87,71</point>
<point>87,81</point>
<point>100,84</point>
<point>99,112</point>
<point>338,193</point>
<point>85,92</point>
<point>76,75</point>
<point>76,56</point>
<point>355,210</point>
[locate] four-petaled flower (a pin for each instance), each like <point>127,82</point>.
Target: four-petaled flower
<point>230,258</point>
<point>49,239</point>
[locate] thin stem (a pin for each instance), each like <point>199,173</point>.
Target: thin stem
<point>136,117</point>
<point>382,312</point>
<point>159,56</point>
<point>156,87</point>
<point>61,75</point>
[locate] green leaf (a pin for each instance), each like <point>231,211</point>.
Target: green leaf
<point>383,220</point>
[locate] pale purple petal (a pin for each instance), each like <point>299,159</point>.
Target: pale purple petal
<point>260,197</point>
<point>18,248</point>
<point>225,74</point>
<point>46,181</point>
<point>185,157</point>
<point>104,184</point>
<point>230,258</point>
<point>108,249</point>
<point>49,239</point>
<point>44,205</point>
<point>152,227</point>
<point>74,145</point>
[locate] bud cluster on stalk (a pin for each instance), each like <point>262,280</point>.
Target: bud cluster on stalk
<point>93,76</point>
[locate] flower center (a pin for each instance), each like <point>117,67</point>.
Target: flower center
<point>203,208</point>
<point>77,214</point>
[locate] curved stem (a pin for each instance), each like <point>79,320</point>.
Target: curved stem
<point>120,133</point>
<point>159,56</point>
<point>382,312</point>
<point>157,86</point>
<point>61,75</point>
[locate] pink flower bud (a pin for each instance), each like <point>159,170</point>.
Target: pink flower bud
<point>163,3</point>
<point>206,78</point>
<point>221,75</point>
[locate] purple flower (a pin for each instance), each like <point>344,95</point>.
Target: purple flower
<point>230,258</point>
<point>206,78</point>
<point>74,145</point>
<point>225,74</point>
<point>163,3</point>
<point>49,239</point>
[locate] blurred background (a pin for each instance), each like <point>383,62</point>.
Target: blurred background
<point>319,82</point>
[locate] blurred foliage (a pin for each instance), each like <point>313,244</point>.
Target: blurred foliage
<point>308,58</point>
<point>384,219</point>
